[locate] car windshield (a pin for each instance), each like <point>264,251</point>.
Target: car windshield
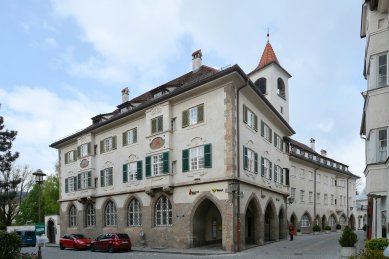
<point>122,236</point>
<point>79,236</point>
<point>29,233</point>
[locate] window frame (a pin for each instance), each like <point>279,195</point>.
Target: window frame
<point>382,155</point>
<point>110,214</point>
<point>266,131</point>
<point>70,157</point>
<point>157,124</point>
<point>163,212</point>
<point>386,65</point>
<point>134,213</point>
<point>106,177</point>
<point>304,222</point>
<point>72,216</point>
<point>130,136</point>
<point>90,220</point>
<point>250,118</point>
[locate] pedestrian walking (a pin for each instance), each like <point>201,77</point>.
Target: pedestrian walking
<point>292,231</point>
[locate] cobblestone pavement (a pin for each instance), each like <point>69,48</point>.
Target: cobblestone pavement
<point>321,246</point>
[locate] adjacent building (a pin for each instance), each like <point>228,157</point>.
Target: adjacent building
<point>375,116</point>
<point>204,158</point>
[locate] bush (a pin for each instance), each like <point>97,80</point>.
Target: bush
<point>316,228</point>
<point>338,226</point>
<point>10,245</point>
<point>369,254</point>
<point>348,238</point>
<point>376,244</point>
<point>327,228</point>
<point>28,256</point>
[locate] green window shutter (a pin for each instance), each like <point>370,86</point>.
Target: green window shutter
<point>185,118</point>
<point>208,156</point>
<point>270,170</point>
<point>262,128</point>
<point>125,173</point>
<point>89,179</point>
<point>148,166</point>
<point>256,163</point>
<point>287,177</point>
<point>262,166</point>
<point>139,173</point>
<point>282,176</point>
<point>255,123</point>
<point>101,146</point>
<point>270,134</point>
<point>124,135</point>
<point>75,182</point>
<point>160,123</point>
<point>135,135</point>
<point>275,174</point>
<point>79,181</point>
<point>75,154</point>
<point>78,151</point>
<point>89,148</point>
<point>102,181</point>
<point>166,162</point>
<point>110,179</point>
<point>66,158</point>
<point>282,145</point>
<point>244,114</point>
<point>114,142</point>
<point>275,139</point>
<point>66,185</point>
<point>153,125</point>
<point>200,113</point>
<point>245,159</point>
<point>185,160</point>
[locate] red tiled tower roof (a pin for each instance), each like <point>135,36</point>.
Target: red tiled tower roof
<point>268,56</point>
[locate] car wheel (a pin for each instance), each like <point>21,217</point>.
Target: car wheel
<point>61,247</point>
<point>110,249</point>
<point>92,248</point>
<point>75,247</point>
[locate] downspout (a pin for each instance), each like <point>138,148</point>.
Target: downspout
<point>347,201</point>
<point>238,164</point>
<point>314,195</point>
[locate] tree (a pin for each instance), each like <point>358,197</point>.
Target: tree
<point>49,203</point>
<point>8,181</point>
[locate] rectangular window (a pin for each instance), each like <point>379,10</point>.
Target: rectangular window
<point>318,198</point>
<point>250,162</point>
<point>382,70</point>
<point>332,199</point>
<point>85,180</point>
<point>108,144</point>
<point>325,199</point>
<point>278,174</point>
<point>382,145</point>
<point>71,184</point>
<point>83,150</point>
<point>132,171</point>
<point>193,116</point>
<point>157,124</point>
<point>106,177</point>
<point>318,178</point>
<point>293,192</point>
<point>250,118</point>
<point>70,157</point>
<point>310,176</point>
<point>310,197</point>
<point>302,173</point>
<point>130,137</point>
<point>266,168</point>
<point>302,195</point>
<point>196,157</point>
<point>278,142</point>
<point>157,164</point>
<point>266,131</point>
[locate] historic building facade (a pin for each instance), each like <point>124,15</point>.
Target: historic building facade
<point>202,159</point>
<point>375,116</point>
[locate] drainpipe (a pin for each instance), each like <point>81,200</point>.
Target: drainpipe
<point>238,164</point>
<point>314,195</point>
<point>347,200</point>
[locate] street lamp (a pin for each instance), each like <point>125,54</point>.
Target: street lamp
<point>39,180</point>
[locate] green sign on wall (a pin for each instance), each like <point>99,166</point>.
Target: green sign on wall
<point>39,229</point>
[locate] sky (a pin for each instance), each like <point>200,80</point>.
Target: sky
<point>64,61</point>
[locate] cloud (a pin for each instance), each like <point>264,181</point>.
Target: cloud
<point>326,126</point>
<point>41,117</point>
<point>51,42</point>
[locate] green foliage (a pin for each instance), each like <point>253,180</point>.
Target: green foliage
<point>49,202</point>
<point>316,228</point>
<point>376,244</point>
<point>327,228</point>
<point>338,226</point>
<point>28,256</point>
<point>10,245</point>
<point>369,254</point>
<point>348,238</point>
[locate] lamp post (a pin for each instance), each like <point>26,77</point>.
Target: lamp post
<point>39,180</point>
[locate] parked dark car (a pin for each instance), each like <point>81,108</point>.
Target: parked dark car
<point>111,242</point>
<point>75,241</point>
<point>27,236</point>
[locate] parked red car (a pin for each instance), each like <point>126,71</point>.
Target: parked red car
<point>75,241</point>
<point>111,242</point>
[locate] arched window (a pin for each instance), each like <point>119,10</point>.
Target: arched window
<point>261,85</point>
<point>305,221</point>
<point>281,88</point>
<point>163,212</point>
<point>110,214</point>
<point>342,220</point>
<point>134,213</point>
<point>73,216</point>
<point>90,215</point>
<point>332,221</point>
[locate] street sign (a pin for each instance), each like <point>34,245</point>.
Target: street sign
<point>39,229</point>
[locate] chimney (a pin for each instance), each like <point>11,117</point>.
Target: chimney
<point>312,141</point>
<point>125,93</point>
<point>323,152</point>
<point>196,60</point>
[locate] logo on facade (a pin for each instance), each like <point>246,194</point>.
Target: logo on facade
<point>157,142</point>
<point>193,192</point>
<point>84,163</point>
<point>216,190</point>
